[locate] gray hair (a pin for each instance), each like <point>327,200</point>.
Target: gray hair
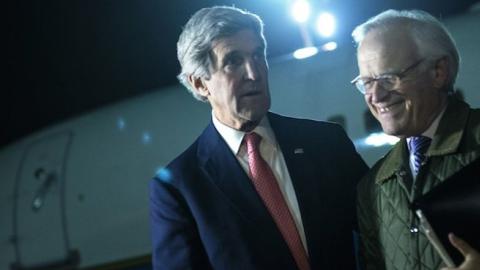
<point>431,37</point>
<point>206,26</point>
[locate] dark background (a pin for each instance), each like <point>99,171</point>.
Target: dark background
<point>67,57</point>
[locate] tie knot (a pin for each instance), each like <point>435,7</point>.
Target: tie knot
<point>418,148</point>
<point>419,144</point>
<point>252,140</point>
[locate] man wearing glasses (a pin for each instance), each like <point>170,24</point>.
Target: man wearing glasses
<point>408,64</point>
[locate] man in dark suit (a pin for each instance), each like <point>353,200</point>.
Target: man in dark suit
<point>256,190</point>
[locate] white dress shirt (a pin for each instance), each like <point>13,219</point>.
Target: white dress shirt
<point>271,153</point>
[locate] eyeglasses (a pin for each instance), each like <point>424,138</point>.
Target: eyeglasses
<point>388,81</point>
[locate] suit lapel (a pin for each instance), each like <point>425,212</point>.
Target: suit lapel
<point>303,167</point>
<point>223,169</point>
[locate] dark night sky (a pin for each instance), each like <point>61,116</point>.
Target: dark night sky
<point>68,57</point>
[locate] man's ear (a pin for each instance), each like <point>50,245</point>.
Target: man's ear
<point>441,72</point>
<point>199,85</point>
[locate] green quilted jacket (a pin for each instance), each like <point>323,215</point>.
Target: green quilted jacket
<point>388,228</point>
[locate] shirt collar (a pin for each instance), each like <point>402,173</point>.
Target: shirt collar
<point>430,132</point>
<point>448,134</point>
<point>234,137</point>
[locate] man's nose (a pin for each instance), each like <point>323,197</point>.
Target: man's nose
<point>377,92</point>
<point>252,70</point>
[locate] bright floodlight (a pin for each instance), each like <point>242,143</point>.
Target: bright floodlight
<point>329,46</point>
<point>300,10</point>
<point>326,24</point>
<point>305,52</point>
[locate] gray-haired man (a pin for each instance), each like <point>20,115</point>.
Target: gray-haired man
<point>408,64</point>
<point>256,190</point>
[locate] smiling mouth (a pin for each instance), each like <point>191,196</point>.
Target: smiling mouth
<point>388,108</point>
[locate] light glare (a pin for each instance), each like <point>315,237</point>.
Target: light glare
<point>164,174</point>
<point>330,46</point>
<point>326,24</point>
<point>305,52</point>
<point>146,138</point>
<point>121,123</point>
<point>301,11</point>
<point>380,139</point>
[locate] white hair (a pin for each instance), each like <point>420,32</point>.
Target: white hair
<point>205,27</point>
<point>431,37</point>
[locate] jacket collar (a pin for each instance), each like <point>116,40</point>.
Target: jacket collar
<point>451,128</point>
<point>445,141</point>
<point>211,139</point>
<point>220,165</point>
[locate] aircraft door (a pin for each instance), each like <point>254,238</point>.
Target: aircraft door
<point>40,229</point>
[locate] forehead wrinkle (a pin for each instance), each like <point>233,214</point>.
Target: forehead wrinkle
<point>224,46</point>
<point>220,49</point>
<point>385,52</point>
<point>368,61</point>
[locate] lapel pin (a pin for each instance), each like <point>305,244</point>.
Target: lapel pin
<point>298,151</point>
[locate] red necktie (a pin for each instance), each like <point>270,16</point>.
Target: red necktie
<point>267,187</point>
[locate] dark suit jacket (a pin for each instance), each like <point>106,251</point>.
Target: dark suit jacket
<point>206,213</point>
